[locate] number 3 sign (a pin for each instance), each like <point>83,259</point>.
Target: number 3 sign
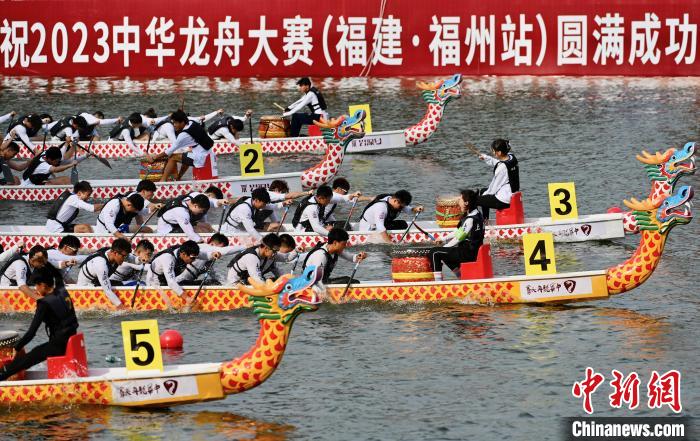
<point>252,160</point>
<point>562,200</point>
<point>142,345</point>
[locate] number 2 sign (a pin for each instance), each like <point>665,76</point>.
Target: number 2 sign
<point>252,160</point>
<point>142,345</point>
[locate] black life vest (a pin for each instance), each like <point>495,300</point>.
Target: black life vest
<point>513,172</point>
<point>243,275</point>
<point>122,216</point>
<point>180,201</point>
<point>330,259</point>
<point>61,306</point>
<point>62,124</point>
<point>38,178</point>
<point>162,123</point>
<point>476,235</point>
<point>197,132</point>
<point>56,208</point>
<point>116,132</point>
<point>7,265</point>
<point>5,173</point>
<point>101,253</point>
<point>19,122</point>
<point>240,201</point>
<point>391,214</point>
<point>296,220</point>
<point>321,101</point>
<point>223,121</point>
<point>180,264</point>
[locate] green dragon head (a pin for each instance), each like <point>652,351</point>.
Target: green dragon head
<point>343,129</point>
<point>285,298</point>
<point>674,210</point>
<point>441,92</point>
<point>670,165</point>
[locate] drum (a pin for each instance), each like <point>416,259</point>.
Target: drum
<point>411,265</point>
<point>447,212</point>
<point>7,351</point>
<point>273,127</point>
<point>153,171</point>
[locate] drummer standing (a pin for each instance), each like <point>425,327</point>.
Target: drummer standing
<point>313,99</point>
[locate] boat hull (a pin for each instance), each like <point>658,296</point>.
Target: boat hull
<point>176,385</point>
<point>565,287</point>
<point>592,227</point>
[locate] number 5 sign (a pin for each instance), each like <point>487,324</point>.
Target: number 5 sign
<point>142,345</point>
<point>562,200</point>
<point>252,160</point>
<point>539,254</point>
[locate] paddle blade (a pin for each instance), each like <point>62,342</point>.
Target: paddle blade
<point>7,174</point>
<point>74,178</point>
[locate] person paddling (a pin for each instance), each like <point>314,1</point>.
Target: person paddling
<point>54,308</point>
<point>313,99</point>
<point>506,178</point>
<point>128,272</point>
<point>229,127</point>
<point>182,214</point>
<point>255,261</point>
<point>24,128</point>
<point>463,244</point>
<point>65,209</point>
<point>8,152</point>
<point>380,214</point>
<point>65,256</point>
<point>131,129</point>
<point>324,257</point>
<point>45,165</point>
<point>167,267</point>
<point>97,268</point>
<point>17,270</point>
<point>116,215</point>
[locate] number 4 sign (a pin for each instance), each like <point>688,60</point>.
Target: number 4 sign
<point>251,159</point>
<point>539,254</point>
<point>142,345</point>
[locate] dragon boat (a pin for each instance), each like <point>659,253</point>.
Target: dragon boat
<point>277,305</point>
<point>654,224</point>
<point>436,95</point>
<point>337,134</point>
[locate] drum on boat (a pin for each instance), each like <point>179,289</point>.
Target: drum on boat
<point>272,126</point>
<point>411,265</point>
<point>8,339</point>
<point>153,171</point>
<point>447,212</point>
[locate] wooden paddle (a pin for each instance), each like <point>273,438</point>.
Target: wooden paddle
<point>347,287</point>
<point>347,221</point>
<point>136,288</point>
<point>143,225</point>
<point>473,149</point>
<point>284,216</point>
<point>279,107</point>
<point>89,153</point>
<point>210,266</point>
<point>430,236</point>
<point>409,227</point>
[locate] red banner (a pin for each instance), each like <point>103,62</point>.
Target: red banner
<point>281,38</point>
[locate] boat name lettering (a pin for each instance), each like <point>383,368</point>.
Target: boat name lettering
<point>154,389</point>
<point>543,289</point>
<point>139,391</point>
<point>368,142</point>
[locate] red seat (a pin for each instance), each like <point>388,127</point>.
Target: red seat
<point>314,130</point>
<point>513,214</point>
<point>481,269</point>
<point>74,363</point>
<point>207,171</point>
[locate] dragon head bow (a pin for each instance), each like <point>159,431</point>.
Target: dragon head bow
<point>343,129</point>
<point>674,210</point>
<point>442,92</point>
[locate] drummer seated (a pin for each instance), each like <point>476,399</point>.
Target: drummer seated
<point>313,99</point>
<point>463,245</point>
<point>54,309</point>
<point>324,257</point>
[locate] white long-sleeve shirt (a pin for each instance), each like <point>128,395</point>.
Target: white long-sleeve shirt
<point>165,265</point>
<point>56,258</point>
<point>107,217</point>
<point>98,268</point>
<point>255,266</point>
<point>183,141</point>
<point>373,219</point>
<point>333,205</point>
<point>240,220</point>
<point>311,214</point>
<point>69,207</point>
<point>206,252</point>
<point>308,98</point>
<point>128,270</point>
<point>466,228</point>
<point>17,272</point>
<point>21,133</point>
<point>319,259</point>
<point>500,183</point>
<point>6,117</point>
<point>181,217</point>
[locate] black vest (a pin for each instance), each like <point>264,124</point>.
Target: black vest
<point>180,201</point>
<point>38,178</point>
<point>391,214</point>
<point>476,235</point>
<point>224,121</point>
<point>101,253</point>
<point>56,207</point>
<point>60,125</point>
<point>18,122</point>
<point>197,132</point>
<point>116,132</point>
<point>122,216</point>
<point>180,264</point>
<point>243,275</point>
<point>64,323</point>
<point>296,219</point>
<point>241,201</point>
<point>321,101</point>
<point>331,260</point>
<point>513,172</point>
<point>7,264</point>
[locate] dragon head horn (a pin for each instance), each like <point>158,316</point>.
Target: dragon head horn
<point>645,205</point>
<point>656,158</point>
<point>329,124</point>
<point>429,86</point>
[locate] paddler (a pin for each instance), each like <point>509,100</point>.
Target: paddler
<point>313,99</point>
<point>65,209</point>
<point>163,126</point>
<point>506,178</point>
<point>46,164</point>
<point>190,136</point>
<point>128,272</point>
<point>380,214</point>
<point>54,308</point>
<point>229,127</point>
<point>24,128</point>
<point>17,270</point>
<point>65,256</point>
<point>324,257</point>
<point>167,267</point>
<point>462,245</point>
<point>181,215</point>
<point>116,215</point>
<point>8,151</point>
<point>134,127</point>
<point>97,268</point>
